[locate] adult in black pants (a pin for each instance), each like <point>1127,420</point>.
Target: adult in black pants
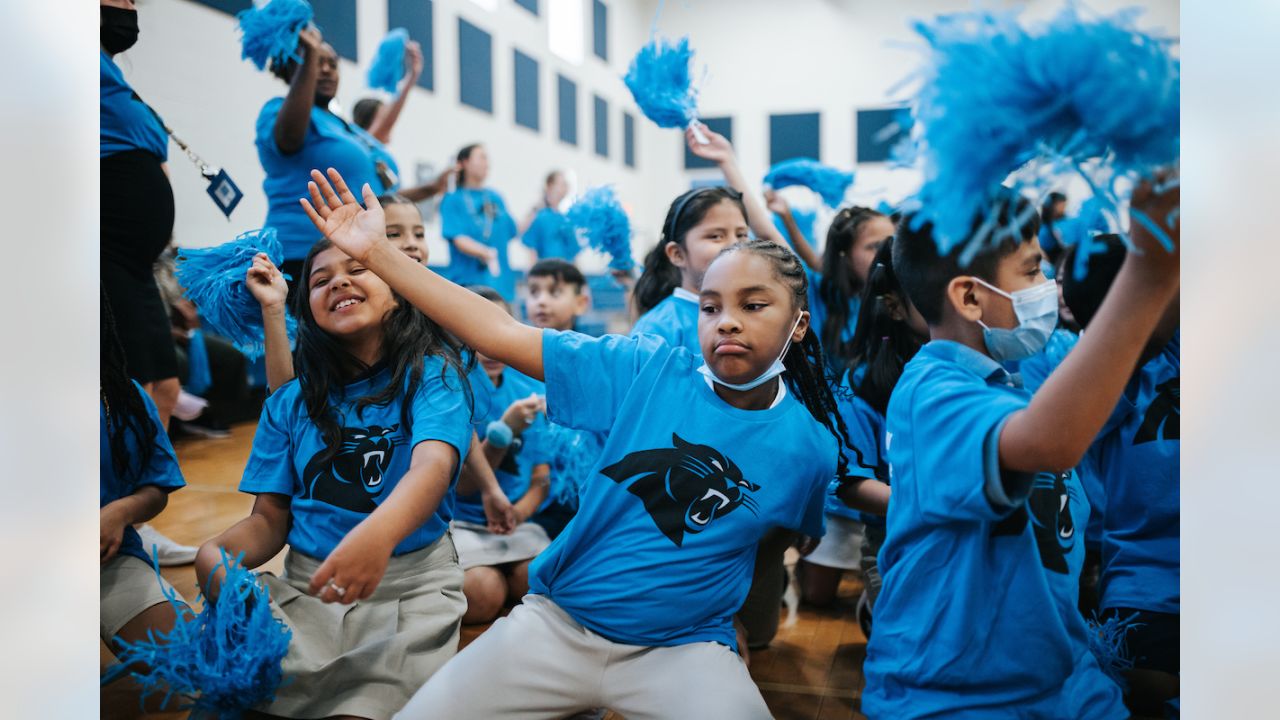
<point>137,220</point>
<point>137,215</point>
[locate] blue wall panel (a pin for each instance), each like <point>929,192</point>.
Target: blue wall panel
<point>602,125</point>
<point>793,136</point>
<point>416,16</point>
<point>337,20</point>
<point>475,66</point>
<point>878,133</point>
<point>526,88</point>
<point>600,29</point>
<point>628,139</point>
<point>567,94</point>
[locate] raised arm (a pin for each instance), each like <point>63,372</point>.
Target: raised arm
<point>718,150</point>
<point>385,119</point>
<point>1056,428</point>
<point>268,287</point>
<point>777,204</point>
<point>295,114</point>
<point>361,233</point>
<point>431,189</point>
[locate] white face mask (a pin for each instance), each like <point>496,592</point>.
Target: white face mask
<point>1037,311</point>
<point>776,369</point>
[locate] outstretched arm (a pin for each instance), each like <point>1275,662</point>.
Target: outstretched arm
<point>1056,428</point>
<point>777,204</point>
<point>290,130</point>
<point>267,285</point>
<point>361,233</point>
<point>718,150</point>
<point>387,115</point>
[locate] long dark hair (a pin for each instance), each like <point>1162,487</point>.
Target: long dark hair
<point>126,410</point>
<point>806,374</point>
<point>324,367</point>
<point>880,342</point>
<point>463,155</point>
<point>839,285</point>
<point>660,277</point>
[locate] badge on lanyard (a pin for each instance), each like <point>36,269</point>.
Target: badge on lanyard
<point>226,195</point>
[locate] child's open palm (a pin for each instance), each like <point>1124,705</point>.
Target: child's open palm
<point>339,216</point>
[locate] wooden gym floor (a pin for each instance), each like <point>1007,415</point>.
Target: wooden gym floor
<point>812,671</point>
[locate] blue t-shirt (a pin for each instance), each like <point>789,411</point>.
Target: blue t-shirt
<point>804,220</point>
<point>663,546</point>
<point>161,469</point>
<point>1037,368</point>
<point>675,320</point>
<point>1136,459</point>
<point>818,313</point>
<point>977,615</point>
<point>551,236</point>
<point>330,142</point>
<point>481,215</point>
<point>330,497</point>
<point>866,435</point>
<point>517,465</point>
<point>126,122</point>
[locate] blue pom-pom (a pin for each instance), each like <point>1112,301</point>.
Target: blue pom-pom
<point>223,660</point>
<point>659,80</point>
<point>214,281</point>
<point>387,69</point>
<point>827,181</point>
<point>1107,643</point>
<point>599,216</point>
<point>270,32</point>
<point>1094,97</point>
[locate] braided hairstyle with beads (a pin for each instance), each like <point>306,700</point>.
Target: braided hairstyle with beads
<point>806,374</point>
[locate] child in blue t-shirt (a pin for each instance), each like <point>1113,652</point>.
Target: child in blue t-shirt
<point>509,416</point>
<point>977,615</point>
<point>699,224</point>
<point>352,468</point>
<point>557,297</point>
<point>137,471</point>
<point>475,222</point>
<point>548,234</point>
<point>890,331</point>
<point>631,607</point>
<point>1135,459</point>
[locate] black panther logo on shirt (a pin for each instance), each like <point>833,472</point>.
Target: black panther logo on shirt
<point>353,477</point>
<point>684,488</point>
<point>1163,414</point>
<point>1051,522</point>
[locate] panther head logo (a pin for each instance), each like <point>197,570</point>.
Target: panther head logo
<point>686,487</point>
<point>1163,416</point>
<point>353,477</point>
<point>1051,523</point>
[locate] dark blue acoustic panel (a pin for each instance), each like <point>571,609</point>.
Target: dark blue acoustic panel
<point>527,106</point>
<point>530,5</point>
<point>600,29</point>
<point>230,7</point>
<point>628,139</point>
<point>602,125</point>
<point>337,21</point>
<point>722,125</point>
<point>567,94</point>
<point>416,16</point>
<point>475,66</point>
<point>793,136</point>
<point>878,131</point>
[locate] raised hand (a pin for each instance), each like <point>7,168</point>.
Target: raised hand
<point>717,149</point>
<point>413,60</point>
<point>338,216</point>
<point>521,414</point>
<point>776,203</point>
<point>1157,203</point>
<point>310,39</point>
<point>266,283</point>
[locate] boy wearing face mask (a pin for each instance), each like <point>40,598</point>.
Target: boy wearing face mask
<point>977,613</point>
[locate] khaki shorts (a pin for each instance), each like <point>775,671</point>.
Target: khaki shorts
<point>128,586</point>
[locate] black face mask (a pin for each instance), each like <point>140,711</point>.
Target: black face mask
<point>119,29</point>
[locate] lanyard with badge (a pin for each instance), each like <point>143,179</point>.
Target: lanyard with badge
<point>225,193</point>
<point>485,214</point>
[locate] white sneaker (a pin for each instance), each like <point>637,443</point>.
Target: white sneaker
<point>167,551</point>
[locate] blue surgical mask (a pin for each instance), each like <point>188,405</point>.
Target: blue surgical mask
<point>776,369</point>
<point>1037,311</point>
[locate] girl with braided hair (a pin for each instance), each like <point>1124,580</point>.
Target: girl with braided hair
<point>633,603</point>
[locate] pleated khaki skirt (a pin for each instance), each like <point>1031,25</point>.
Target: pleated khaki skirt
<point>367,659</point>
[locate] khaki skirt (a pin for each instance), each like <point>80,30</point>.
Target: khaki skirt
<point>477,547</point>
<point>367,659</point>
